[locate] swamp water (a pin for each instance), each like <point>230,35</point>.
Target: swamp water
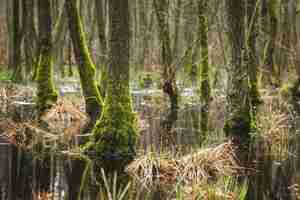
<point>25,175</point>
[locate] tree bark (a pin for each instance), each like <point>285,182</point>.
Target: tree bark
<point>204,70</point>
<point>30,37</point>
<point>169,71</point>
<point>46,93</point>
<point>115,133</point>
<point>252,62</point>
<point>271,76</point>
<point>16,40</point>
<point>86,67</point>
<point>238,119</point>
<point>100,14</point>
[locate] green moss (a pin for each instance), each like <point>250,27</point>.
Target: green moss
<point>85,64</point>
<point>115,133</point>
<point>87,72</point>
<point>273,11</point>
<point>103,80</point>
<point>46,94</point>
<point>5,75</point>
<point>205,89</point>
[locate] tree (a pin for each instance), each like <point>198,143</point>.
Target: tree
<point>271,76</point>
<point>204,69</point>
<point>252,60</point>
<point>178,13</point>
<point>100,14</point>
<point>169,71</point>
<point>238,119</point>
<point>295,46</point>
<point>114,136</point>
<point>285,44</point>
<point>86,67</point>
<point>46,93</point>
<point>16,42</point>
<point>29,35</point>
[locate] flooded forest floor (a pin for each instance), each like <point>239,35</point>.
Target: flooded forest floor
<point>43,160</point>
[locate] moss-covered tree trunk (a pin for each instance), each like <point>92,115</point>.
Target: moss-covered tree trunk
<point>238,119</point>
<point>169,71</point>
<point>204,69</point>
<point>16,42</point>
<point>114,136</point>
<point>271,74</point>
<point>86,67</point>
<point>60,39</point>
<point>100,14</point>
<point>46,93</point>
<point>285,43</point>
<point>296,54</point>
<point>29,35</point>
<point>189,18</point>
<point>252,60</point>
<point>177,20</point>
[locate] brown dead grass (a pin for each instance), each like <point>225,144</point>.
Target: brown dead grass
<point>202,166</point>
<point>58,125</point>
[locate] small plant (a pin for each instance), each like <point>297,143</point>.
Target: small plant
<point>5,75</point>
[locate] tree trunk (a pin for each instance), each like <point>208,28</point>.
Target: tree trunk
<point>271,74</point>
<point>204,70</point>
<point>285,44</point>
<point>115,133</point>
<point>238,119</point>
<point>296,61</point>
<point>46,93</point>
<point>169,71</point>
<point>252,62</point>
<point>29,35</point>
<point>60,38</point>
<point>16,40</point>
<point>100,14</point>
<point>85,64</point>
<point>177,27</point>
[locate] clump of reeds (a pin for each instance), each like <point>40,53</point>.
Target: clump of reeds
<point>152,169</point>
<point>274,126</point>
<point>209,164</point>
<point>202,166</point>
<point>58,125</point>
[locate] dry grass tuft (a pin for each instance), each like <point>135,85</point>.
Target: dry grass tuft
<point>202,166</point>
<point>152,169</point>
<point>209,163</point>
<point>65,118</point>
<point>274,126</point>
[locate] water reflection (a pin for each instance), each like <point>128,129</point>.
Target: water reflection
<point>25,175</point>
